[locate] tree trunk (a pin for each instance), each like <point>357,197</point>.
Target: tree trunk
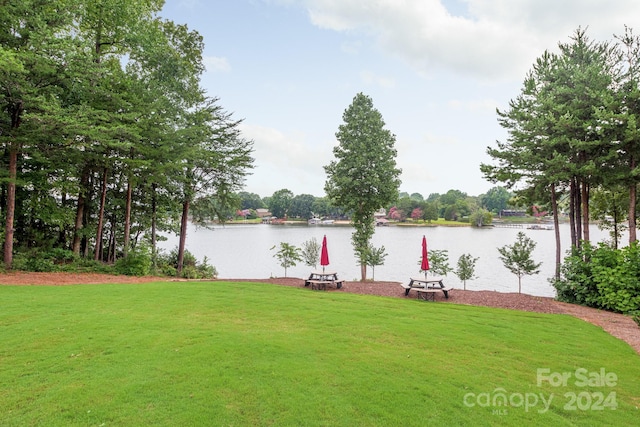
<point>578,208</point>
<point>572,214</point>
<point>127,219</point>
<point>103,200</point>
<point>585,211</point>
<point>556,227</point>
<point>111,247</point>
<point>15,110</point>
<point>363,272</point>
<point>84,183</point>
<point>183,234</point>
<point>632,213</point>
<point>62,234</point>
<point>11,207</point>
<point>154,219</point>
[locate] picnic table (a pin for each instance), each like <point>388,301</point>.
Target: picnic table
<point>320,279</point>
<point>426,288</point>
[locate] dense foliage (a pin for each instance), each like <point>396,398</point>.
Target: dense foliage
<point>454,205</point>
<point>602,277</point>
<point>106,135</point>
<point>573,130</point>
<point>363,177</point>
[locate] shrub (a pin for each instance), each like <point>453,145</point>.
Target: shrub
<point>90,265</point>
<point>576,285</point>
<point>616,273</point>
<point>136,263</point>
<point>62,256</point>
<point>207,271</point>
<point>57,259</point>
<point>189,272</point>
<point>603,277</point>
<point>44,265</point>
<point>191,268</point>
<point>33,261</point>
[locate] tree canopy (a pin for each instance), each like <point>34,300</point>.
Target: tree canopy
<point>572,129</point>
<point>363,177</point>
<point>107,135</point>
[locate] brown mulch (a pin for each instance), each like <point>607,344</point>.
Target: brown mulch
<point>618,325</point>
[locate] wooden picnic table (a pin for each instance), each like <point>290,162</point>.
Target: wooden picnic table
<point>426,287</point>
<point>320,280</point>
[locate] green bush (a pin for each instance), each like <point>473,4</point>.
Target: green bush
<point>190,272</point>
<point>165,270</point>
<point>207,271</point>
<point>62,256</point>
<point>617,274</point>
<point>44,265</point>
<point>603,277</point>
<point>136,263</point>
<point>86,265</point>
<point>191,268</point>
<point>33,261</point>
<point>576,285</point>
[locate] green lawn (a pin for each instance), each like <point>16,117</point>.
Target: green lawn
<point>257,354</point>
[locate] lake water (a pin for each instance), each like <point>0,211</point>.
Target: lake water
<point>244,251</point>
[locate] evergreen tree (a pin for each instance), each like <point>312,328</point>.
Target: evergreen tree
<point>553,143</point>
<point>364,176</point>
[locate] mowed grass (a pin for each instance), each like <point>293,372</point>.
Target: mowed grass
<point>238,354</point>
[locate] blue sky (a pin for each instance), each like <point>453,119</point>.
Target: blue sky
<point>435,69</point>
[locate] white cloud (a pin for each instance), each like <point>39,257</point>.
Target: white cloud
<point>215,63</point>
<point>495,39</point>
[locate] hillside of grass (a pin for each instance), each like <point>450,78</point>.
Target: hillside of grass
<point>228,353</point>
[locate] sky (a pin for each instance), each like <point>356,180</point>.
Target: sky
<point>436,70</point>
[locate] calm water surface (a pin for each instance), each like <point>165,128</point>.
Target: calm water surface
<point>244,251</point>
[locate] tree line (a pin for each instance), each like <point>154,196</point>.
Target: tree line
<point>107,135</point>
<point>454,205</point>
<point>573,134</point>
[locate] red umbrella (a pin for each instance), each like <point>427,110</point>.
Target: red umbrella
<point>324,255</point>
<point>424,265</point>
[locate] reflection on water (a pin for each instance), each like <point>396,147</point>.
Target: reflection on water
<point>244,251</point>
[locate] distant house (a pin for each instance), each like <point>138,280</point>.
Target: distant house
<point>263,213</point>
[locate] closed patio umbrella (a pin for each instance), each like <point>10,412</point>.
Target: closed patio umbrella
<point>424,265</point>
<point>324,254</point>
